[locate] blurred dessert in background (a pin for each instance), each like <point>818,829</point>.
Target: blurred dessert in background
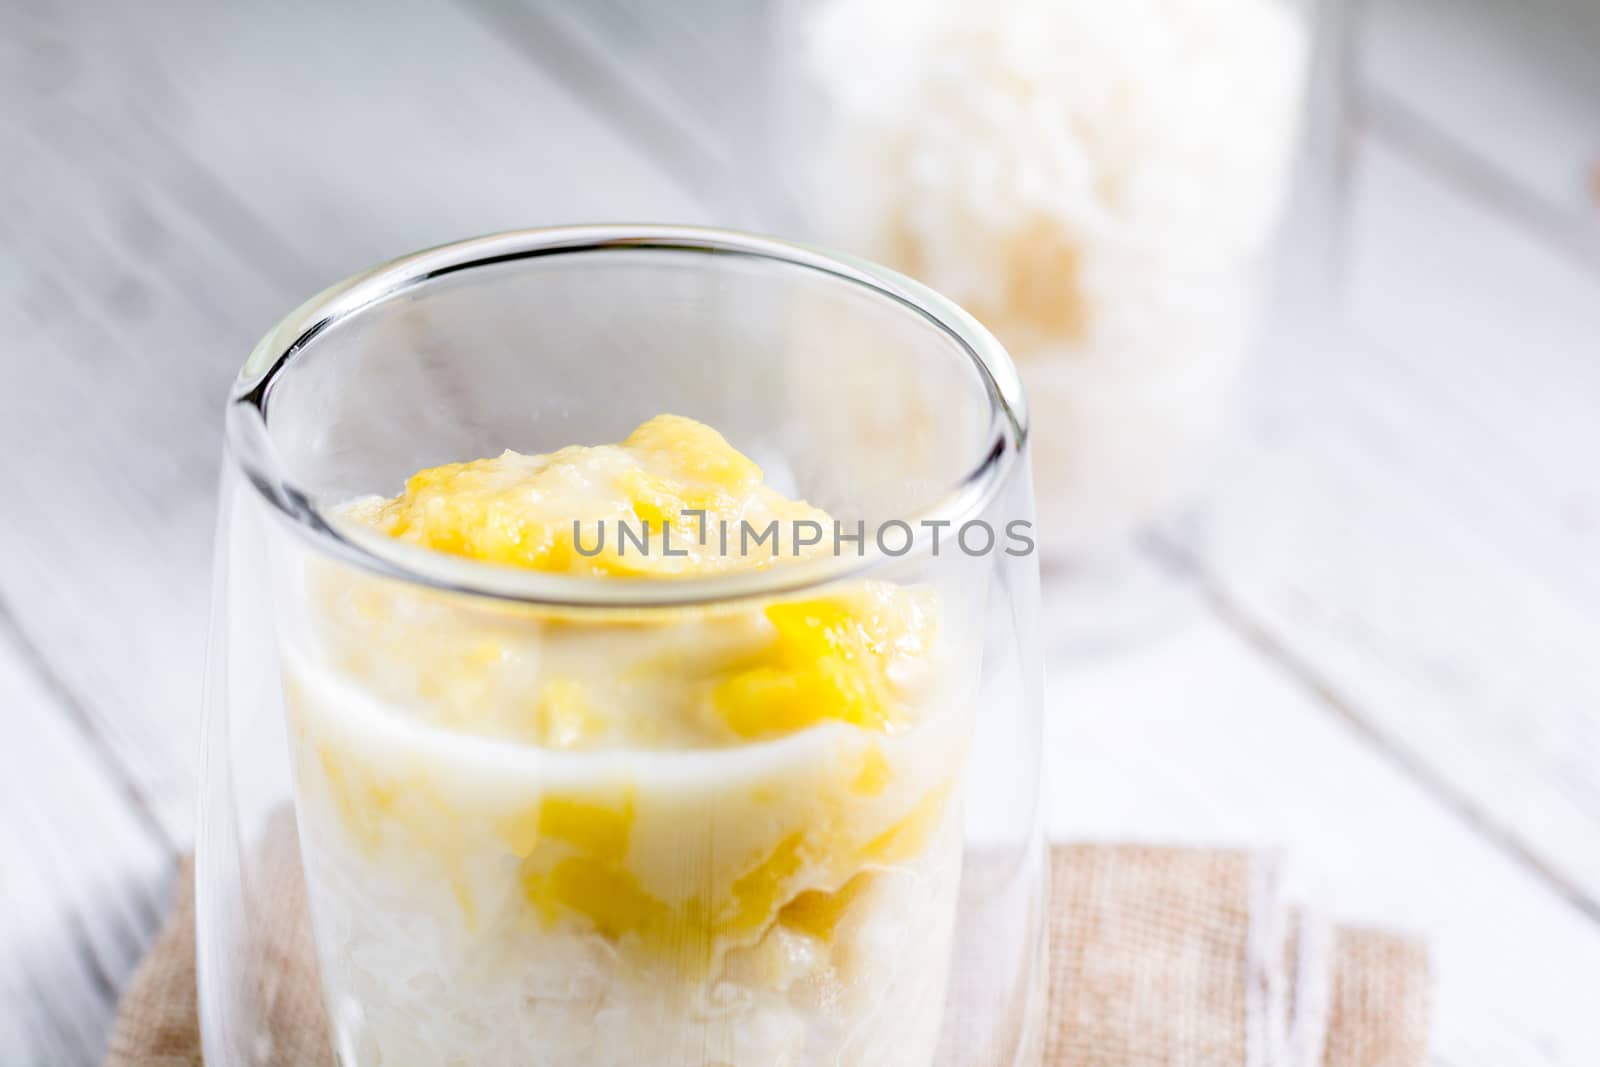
<point>1097,183</point>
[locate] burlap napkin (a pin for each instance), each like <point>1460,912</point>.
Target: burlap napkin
<point>1158,956</point>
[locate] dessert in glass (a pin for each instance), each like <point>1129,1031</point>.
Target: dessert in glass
<point>651,680</point>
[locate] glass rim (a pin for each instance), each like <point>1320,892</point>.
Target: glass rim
<point>250,449</point>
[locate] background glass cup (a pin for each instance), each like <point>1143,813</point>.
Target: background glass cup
<point>830,896</point>
<point>1099,184</point>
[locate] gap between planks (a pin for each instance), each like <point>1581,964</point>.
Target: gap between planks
<point>1392,120</point>
<point>82,878</point>
<point>1172,557</point>
<point>59,693</point>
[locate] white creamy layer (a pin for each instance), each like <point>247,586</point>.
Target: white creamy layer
<point>431,953</point>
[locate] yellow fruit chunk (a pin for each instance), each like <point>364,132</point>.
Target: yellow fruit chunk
<point>829,660</point>
<point>817,913</point>
<point>694,451</point>
<point>658,502</point>
<point>597,888</point>
<point>610,898</point>
<point>758,892</point>
<point>474,509</point>
<point>595,829</point>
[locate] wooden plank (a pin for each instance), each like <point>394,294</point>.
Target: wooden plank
<point>1413,522</point>
<point>688,85</point>
<point>712,56</point>
<point>175,180</point>
<point>110,431</point>
<point>1501,332</point>
<point>1196,738</point>
<point>347,133</point>
<point>1504,94</point>
<point>83,882</point>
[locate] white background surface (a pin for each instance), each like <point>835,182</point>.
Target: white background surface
<point>1379,645</point>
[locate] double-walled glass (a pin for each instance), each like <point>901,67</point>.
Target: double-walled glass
<point>393,848</point>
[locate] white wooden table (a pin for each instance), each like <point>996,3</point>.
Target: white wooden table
<point>1381,646</point>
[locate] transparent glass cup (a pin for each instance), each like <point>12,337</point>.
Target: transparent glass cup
<point>385,877</point>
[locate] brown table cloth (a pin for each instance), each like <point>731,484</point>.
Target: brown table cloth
<point>1174,957</point>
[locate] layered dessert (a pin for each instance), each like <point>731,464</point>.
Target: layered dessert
<point>724,833</point>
